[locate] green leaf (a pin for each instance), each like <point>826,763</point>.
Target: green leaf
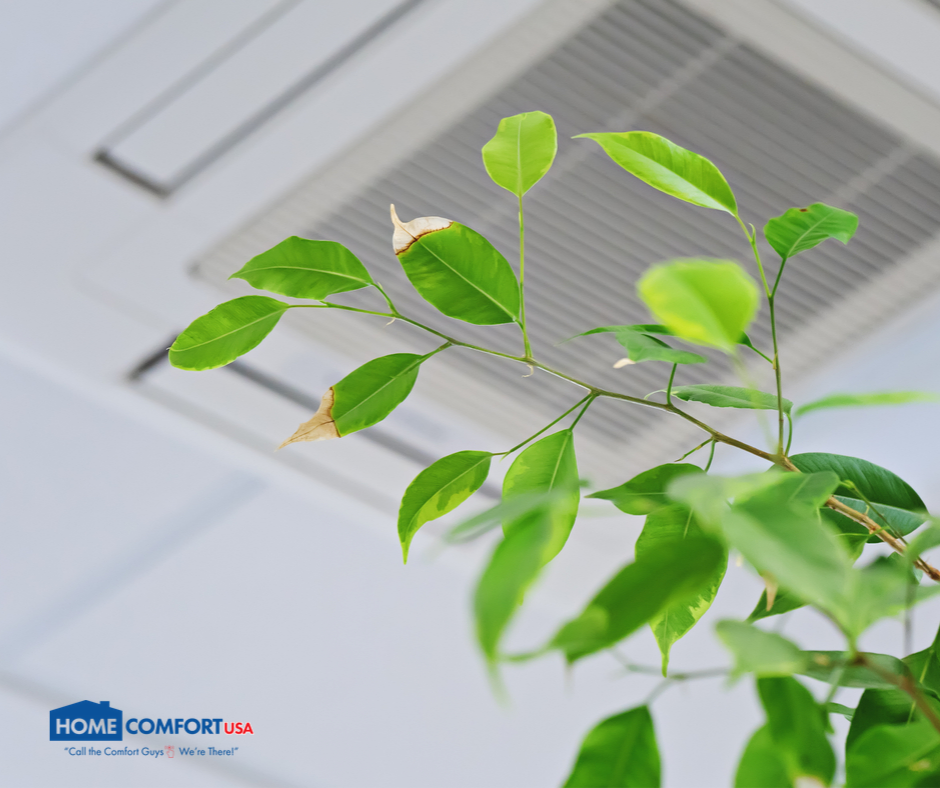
<point>877,484</point>
<point>643,347</point>
<point>884,588</point>
<point>457,270</point>
<point>655,328</point>
<point>709,495</point>
<point>667,167</point>
<point>866,400</point>
<point>791,544</point>
<point>828,666</point>
<point>439,489</point>
<point>796,725</point>
<point>706,302</point>
<point>924,541</point>
<point>761,764</point>
<point>303,268</point>
<point>513,566</point>
<point>518,507</point>
<point>800,229</point>
<point>746,341</point>
<point>729,397</point>
<point>805,557</point>
<point>899,521</point>
<point>784,602</point>
<point>367,395</point>
<point>619,752</point>
<point>837,708</point>
<point>521,152</point>
<point>638,593</point>
<point>646,492</point>
<point>876,707</point>
<point>547,466</point>
<point>758,652</point>
<point>925,666</point>
<point>227,332</point>
<point>892,756</point>
<point>669,527</point>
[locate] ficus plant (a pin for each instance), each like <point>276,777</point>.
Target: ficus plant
<point>802,524</point>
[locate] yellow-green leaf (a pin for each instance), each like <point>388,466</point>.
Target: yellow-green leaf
<point>521,152</point>
<point>706,302</point>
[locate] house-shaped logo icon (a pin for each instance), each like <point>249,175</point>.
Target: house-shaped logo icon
<point>86,721</point>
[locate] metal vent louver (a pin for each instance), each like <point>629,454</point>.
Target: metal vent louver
<point>592,229</point>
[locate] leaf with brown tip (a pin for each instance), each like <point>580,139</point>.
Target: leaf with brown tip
<point>320,427</point>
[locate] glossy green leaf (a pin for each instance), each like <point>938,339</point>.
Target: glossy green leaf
<point>664,528</point>
<point>303,268</point>
<point>800,229</point>
<point>646,492</point>
<point>638,593</point>
<point>899,521</point>
<point>866,400</point>
<point>643,347</point>
<point>706,302</point>
<point>761,764</point>
<point>667,167</point>
<point>547,466</point>
<point>828,666</point>
<point>457,270</point>
<point>226,332</point>
<point>513,566</point>
<point>877,484</point>
<point>892,756</point>
<point>521,152</point>
<point>368,394</point>
<point>439,489</point>
<point>619,752</point>
<point>796,725</point>
<point>758,652</point>
<point>729,397</point>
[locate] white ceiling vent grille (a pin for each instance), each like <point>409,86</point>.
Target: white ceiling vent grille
<point>592,229</point>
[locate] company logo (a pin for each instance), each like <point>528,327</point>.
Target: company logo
<point>89,721</point>
<point>86,721</point>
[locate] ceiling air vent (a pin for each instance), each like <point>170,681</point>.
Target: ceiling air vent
<point>592,229</point>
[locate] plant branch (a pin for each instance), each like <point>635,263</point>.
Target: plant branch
<point>771,294</point>
<point>588,399</point>
<point>651,671</point>
<point>716,436</point>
